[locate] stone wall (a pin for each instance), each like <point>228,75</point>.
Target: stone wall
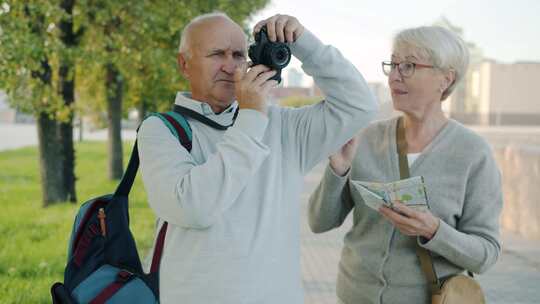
<point>520,167</point>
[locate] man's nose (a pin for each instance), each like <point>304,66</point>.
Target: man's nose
<point>229,65</point>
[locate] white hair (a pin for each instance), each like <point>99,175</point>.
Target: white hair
<point>185,36</point>
<point>445,49</point>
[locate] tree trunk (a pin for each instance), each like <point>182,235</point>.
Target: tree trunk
<point>50,151</point>
<point>81,126</point>
<point>114,85</point>
<point>66,131</point>
<point>51,161</point>
<point>142,109</point>
<point>66,88</point>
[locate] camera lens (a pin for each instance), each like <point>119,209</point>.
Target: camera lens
<point>280,55</point>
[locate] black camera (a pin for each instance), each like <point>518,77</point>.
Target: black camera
<point>275,55</point>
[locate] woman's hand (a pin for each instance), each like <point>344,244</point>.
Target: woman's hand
<point>341,161</point>
<point>411,222</point>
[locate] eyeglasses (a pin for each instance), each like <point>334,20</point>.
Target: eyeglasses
<point>405,68</point>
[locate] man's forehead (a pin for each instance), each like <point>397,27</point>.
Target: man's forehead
<point>224,42</point>
<point>220,34</point>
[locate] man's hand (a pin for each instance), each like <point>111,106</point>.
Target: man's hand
<point>251,87</point>
<point>411,222</point>
<point>281,28</point>
<point>341,161</point>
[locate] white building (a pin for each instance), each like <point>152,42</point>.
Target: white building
<point>7,115</point>
<point>455,105</point>
<point>503,94</point>
<point>384,99</point>
<point>10,115</point>
<point>294,78</point>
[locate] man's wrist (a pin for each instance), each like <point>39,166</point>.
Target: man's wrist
<point>253,106</point>
<point>305,45</point>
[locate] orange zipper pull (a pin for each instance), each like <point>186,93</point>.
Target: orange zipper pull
<point>102,225</point>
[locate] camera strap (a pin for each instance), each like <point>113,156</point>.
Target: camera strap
<point>205,120</point>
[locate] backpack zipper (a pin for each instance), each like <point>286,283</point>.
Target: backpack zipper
<point>101,216</point>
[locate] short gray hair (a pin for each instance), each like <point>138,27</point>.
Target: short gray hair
<point>185,42</point>
<point>446,50</point>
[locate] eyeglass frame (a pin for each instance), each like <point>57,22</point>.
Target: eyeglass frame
<point>394,64</point>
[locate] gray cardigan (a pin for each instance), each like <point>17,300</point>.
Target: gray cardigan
<point>378,263</point>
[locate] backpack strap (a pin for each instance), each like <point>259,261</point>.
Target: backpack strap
<point>180,128</point>
<point>128,178</point>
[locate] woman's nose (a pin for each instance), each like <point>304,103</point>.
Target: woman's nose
<point>394,75</point>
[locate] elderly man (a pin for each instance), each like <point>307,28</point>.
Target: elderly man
<point>232,203</point>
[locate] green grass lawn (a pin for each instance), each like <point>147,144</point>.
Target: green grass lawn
<point>33,239</point>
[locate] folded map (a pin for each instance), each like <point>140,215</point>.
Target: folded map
<point>410,191</point>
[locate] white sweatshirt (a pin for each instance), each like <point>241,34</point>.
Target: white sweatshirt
<point>233,203</point>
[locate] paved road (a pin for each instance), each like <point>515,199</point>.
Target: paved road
<point>13,136</point>
<point>515,279</point>
<point>19,135</point>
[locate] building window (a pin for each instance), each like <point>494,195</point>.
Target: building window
<point>475,84</point>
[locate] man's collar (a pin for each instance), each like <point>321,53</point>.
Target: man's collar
<point>224,118</point>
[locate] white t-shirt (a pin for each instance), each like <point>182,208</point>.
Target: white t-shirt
<point>411,157</point>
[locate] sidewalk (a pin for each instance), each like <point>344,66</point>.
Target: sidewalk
<point>13,136</point>
<point>514,279</point>
<point>516,276</point>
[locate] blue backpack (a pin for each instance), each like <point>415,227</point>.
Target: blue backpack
<point>103,264</point>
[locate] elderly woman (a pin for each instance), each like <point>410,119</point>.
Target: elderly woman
<point>379,263</point>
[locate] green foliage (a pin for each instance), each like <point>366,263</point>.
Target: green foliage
<point>139,37</point>
<point>299,101</point>
<point>34,240</point>
<point>29,44</point>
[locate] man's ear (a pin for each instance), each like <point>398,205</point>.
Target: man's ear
<point>183,65</point>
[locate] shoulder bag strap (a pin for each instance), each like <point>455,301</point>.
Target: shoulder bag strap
<point>426,261</point>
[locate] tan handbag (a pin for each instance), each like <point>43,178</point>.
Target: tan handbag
<point>459,289</point>
<point>456,289</point>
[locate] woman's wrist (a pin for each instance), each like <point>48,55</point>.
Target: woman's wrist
<point>432,229</point>
<point>339,170</point>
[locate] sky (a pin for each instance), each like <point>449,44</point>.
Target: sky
<point>507,31</point>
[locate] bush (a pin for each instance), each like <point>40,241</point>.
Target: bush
<point>299,101</point>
